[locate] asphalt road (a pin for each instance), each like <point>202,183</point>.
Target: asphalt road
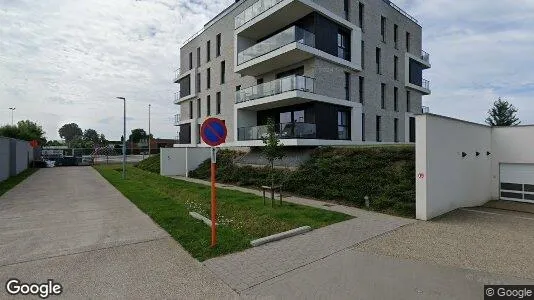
<point>72,226</point>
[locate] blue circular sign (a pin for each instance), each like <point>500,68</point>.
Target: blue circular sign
<point>213,132</point>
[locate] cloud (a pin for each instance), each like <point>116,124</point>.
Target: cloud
<point>479,51</point>
<point>66,61</point>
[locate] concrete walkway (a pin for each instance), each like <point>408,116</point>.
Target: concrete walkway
<point>71,225</point>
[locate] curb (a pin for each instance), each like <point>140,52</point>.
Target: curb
<point>280,236</point>
<point>201,218</point>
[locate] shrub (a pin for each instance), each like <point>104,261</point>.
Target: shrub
<point>345,175</point>
<point>150,164</point>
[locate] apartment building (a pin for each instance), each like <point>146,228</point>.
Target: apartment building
<point>328,72</point>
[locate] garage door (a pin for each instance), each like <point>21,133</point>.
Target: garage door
<point>517,182</point>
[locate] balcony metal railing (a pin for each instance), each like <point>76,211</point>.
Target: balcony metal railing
<point>176,119</point>
<point>284,131</point>
<point>425,56</point>
<point>401,11</point>
<point>278,86</point>
<point>288,36</point>
<point>425,109</point>
<point>176,97</point>
<point>176,74</point>
<point>425,84</point>
<point>253,11</point>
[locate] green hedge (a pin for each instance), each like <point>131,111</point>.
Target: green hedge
<point>151,164</point>
<point>344,175</point>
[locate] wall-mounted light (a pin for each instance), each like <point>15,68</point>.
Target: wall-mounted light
<point>477,153</point>
<point>464,154</point>
<point>488,153</point>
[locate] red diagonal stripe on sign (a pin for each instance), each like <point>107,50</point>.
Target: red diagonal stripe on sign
<point>208,126</point>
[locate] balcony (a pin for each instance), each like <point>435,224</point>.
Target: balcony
<point>425,56</point>
<point>176,119</point>
<point>425,109</point>
<point>284,131</point>
<point>288,47</point>
<point>176,97</point>
<point>176,75</point>
<point>275,87</point>
<point>426,84</point>
<point>253,11</point>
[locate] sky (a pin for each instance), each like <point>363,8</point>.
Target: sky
<point>64,61</point>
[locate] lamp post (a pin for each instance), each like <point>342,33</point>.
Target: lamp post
<point>12,112</point>
<point>149,137</point>
<point>124,141</point>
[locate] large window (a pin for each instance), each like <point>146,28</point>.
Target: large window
<point>218,103</point>
<point>378,128</point>
<point>396,68</point>
<point>343,45</point>
<point>185,86</point>
<point>362,89</point>
<point>218,45</point>
<point>396,130</point>
<point>383,28</point>
<point>198,57</point>
<point>199,108</point>
<point>396,99</point>
<point>396,36</point>
<point>208,78</point>
<point>378,61</point>
<point>343,126</point>
<point>363,127</point>
<point>361,14</point>
<point>208,51</point>
<point>223,72</point>
<point>208,106</point>
<point>383,96</point>
<point>190,60</point>
<point>347,86</point>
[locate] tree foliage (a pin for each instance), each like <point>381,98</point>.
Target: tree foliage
<point>70,132</point>
<point>24,130</point>
<point>502,113</point>
<point>138,135</point>
<point>273,148</point>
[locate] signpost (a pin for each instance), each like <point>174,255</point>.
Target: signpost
<point>213,133</point>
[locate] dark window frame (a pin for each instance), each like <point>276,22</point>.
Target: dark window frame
<point>208,78</point>
<point>208,106</point>
<point>396,99</point>
<point>347,86</point>
<point>378,60</point>
<point>218,103</point>
<point>361,84</point>
<point>208,51</point>
<point>383,28</point>
<point>218,41</point>
<point>378,128</point>
<point>223,72</point>
<point>396,130</point>
<point>383,95</point>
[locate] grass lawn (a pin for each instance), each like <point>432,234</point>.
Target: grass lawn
<point>11,182</point>
<point>242,217</point>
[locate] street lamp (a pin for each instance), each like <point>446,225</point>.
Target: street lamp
<point>12,111</point>
<point>124,141</point>
<point>149,139</point>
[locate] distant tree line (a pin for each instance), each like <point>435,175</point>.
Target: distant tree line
<point>24,130</point>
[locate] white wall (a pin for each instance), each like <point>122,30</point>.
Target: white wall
<point>179,161</point>
<point>510,145</point>
<point>450,181</point>
<point>23,156</point>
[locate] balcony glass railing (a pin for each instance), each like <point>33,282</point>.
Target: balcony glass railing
<point>176,119</point>
<point>288,36</point>
<point>425,84</point>
<point>284,131</point>
<point>425,109</point>
<point>425,56</point>
<point>278,86</point>
<point>176,74</point>
<point>253,11</point>
<point>176,97</point>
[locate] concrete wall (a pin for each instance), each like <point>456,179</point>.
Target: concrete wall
<point>445,180</point>
<point>4,158</point>
<point>179,161</point>
<point>510,145</point>
<point>15,157</point>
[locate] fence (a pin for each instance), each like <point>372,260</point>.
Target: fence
<point>15,157</point>
<point>104,155</point>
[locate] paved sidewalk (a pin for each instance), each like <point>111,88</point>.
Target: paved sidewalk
<point>254,266</point>
<point>71,225</point>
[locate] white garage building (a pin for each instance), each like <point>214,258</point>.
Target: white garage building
<point>464,164</point>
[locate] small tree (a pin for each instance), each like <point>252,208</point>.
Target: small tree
<point>273,149</point>
<point>502,114</point>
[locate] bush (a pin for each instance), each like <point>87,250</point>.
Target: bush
<point>386,174</point>
<point>150,164</point>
